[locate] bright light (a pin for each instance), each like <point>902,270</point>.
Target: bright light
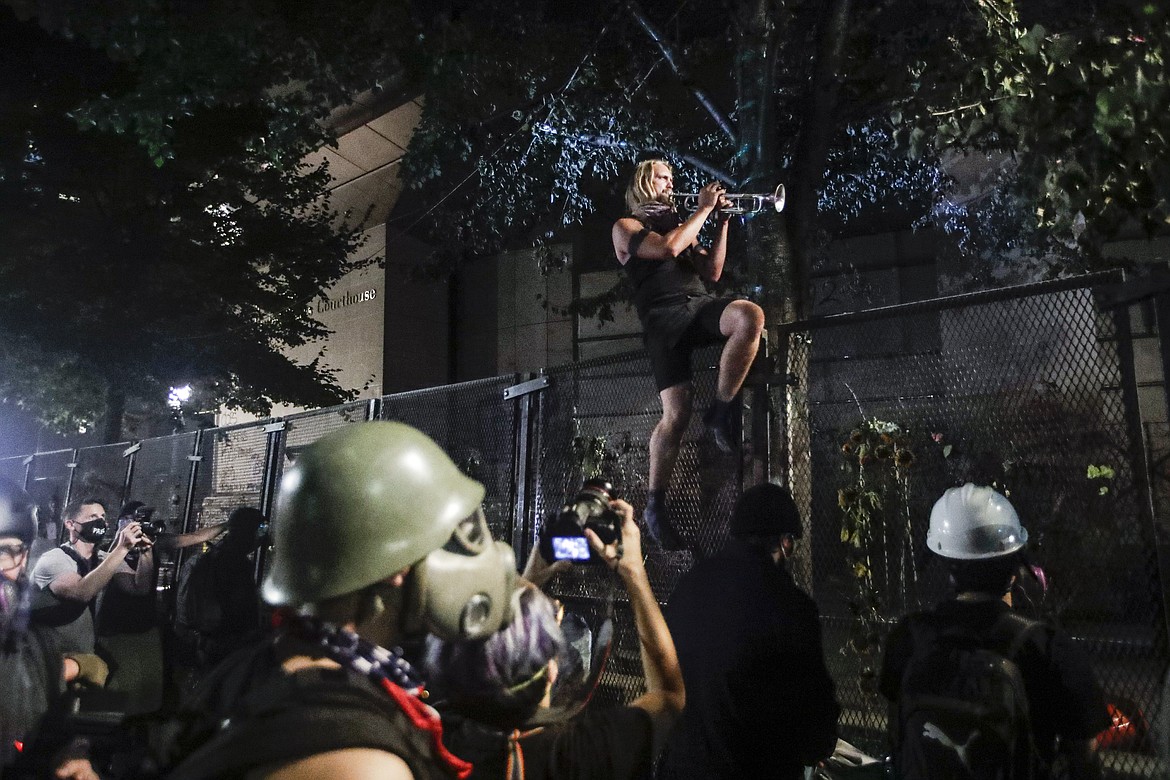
<point>179,396</point>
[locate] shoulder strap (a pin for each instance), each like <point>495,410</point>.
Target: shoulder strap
<point>82,563</point>
<point>1011,631</point>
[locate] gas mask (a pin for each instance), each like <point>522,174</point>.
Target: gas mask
<point>93,531</point>
<point>462,590</point>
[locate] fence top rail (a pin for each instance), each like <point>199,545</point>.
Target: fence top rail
<point>322,411</point>
<point>957,301</point>
<point>406,395</point>
<point>39,454</point>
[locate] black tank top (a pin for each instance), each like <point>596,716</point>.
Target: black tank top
<point>662,282</point>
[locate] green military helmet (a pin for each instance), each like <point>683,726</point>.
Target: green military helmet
<point>359,505</point>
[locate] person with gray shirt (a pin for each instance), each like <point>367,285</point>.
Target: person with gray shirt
<point>69,578</point>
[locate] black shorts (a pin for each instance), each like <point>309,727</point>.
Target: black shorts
<point>670,350</point>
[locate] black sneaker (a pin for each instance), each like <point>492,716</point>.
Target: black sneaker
<point>659,529</point>
<point>723,430</point>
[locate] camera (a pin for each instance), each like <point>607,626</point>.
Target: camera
<point>563,538</point>
<point>143,516</point>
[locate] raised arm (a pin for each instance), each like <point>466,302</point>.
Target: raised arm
<point>656,246</point>
<point>205,534</point>
<point>74,587</point>
<point>665,694</point>
<point>711,265</point>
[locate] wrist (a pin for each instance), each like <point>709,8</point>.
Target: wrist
<point>632,570</point>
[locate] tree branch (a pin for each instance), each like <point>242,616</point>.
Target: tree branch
<point>609,142</point>
<point>668,52</point>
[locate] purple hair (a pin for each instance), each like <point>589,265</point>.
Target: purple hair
<point>502,679</point>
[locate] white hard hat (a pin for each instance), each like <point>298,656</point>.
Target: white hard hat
<point>973,523</point>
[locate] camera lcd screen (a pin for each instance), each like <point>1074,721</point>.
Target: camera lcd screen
<point>570,548</point>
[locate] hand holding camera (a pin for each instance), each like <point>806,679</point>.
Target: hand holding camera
<point>623,554</point>
<point>151,528</point>
<point>131,537</point>
<point>564,536</point>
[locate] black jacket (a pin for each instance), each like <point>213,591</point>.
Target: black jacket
<point>760,701</point>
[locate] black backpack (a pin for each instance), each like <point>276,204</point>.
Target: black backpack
<point>197,604</point>
<point>962,710</point>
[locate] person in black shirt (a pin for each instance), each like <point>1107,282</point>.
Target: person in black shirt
<point>33,739</point>
<point>378,537</point>
<point>760,702</point>
<point>218,604</point>
<point>127,622</point>
<point>977,532</point>
<point>661,254</point>
<point>499,687</point>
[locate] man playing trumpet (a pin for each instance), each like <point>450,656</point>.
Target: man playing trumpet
<point>668,267</point>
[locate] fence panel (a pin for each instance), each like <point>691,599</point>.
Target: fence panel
<point>101,473</point>
<point>596,418</point>
<point>48,484</point>
<point>301,430</point>
<point>231,473</point>
<point>161,472</point>
<point>14,469</point>
<point>1025,394</point>
<point>477,428</point>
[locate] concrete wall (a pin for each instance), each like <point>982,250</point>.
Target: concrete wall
<point>532,329</point>
<point>417,322</point>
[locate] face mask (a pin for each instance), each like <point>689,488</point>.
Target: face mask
<point>93,532</point>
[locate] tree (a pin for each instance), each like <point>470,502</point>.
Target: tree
<point>1076,92</point>
<point>529,128</point>
<point>159,226</point>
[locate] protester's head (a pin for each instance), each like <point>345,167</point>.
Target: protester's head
<point>978,533</point>
<point>766,518</point>
<point>643,188</point>
<point>244,525</point>
<point>128,509</point>
<point>85,520</point>
<point>18,528</point>
<point>504,679</point>
<point>374,522</point>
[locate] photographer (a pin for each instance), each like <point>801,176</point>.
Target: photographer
<point>496,686</point>
<point>127,624</point>
<point>70,577</point>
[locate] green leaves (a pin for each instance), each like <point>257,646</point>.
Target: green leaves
<point>179,229</point>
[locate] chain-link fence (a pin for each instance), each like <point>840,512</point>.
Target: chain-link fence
<point>1032,393</point>
<point>1031,390</point>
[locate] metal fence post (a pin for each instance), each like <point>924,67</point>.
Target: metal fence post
<point>72,466</point>
<point>195,458</point>
<point>525,443</point>
<point>761,436</point>
<point>1143,485</point>
<point>127,484</point>
<point>273,452</point>
<point>1161,530</point>
<point>59,521</point>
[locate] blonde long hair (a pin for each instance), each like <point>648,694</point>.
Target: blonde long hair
<point>641,187</point>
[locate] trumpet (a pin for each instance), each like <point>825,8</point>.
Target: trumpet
<point>741,203</point>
